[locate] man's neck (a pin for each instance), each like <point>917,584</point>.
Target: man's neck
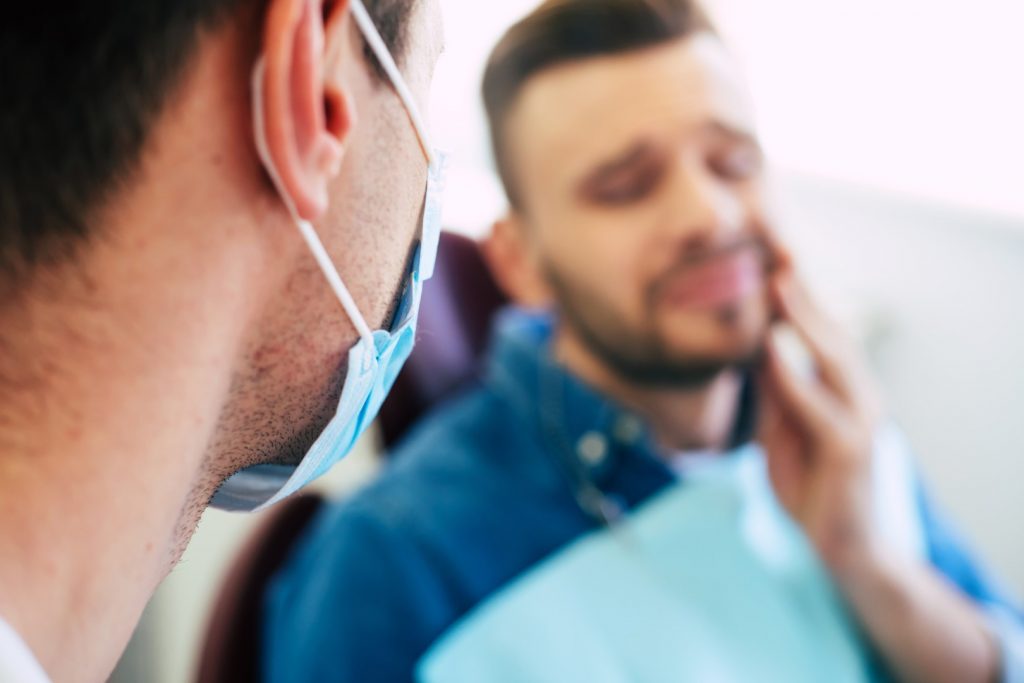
<point>113,376</point>
<point>700,418</point>
<point>109,395</point>
<point>114,371</point>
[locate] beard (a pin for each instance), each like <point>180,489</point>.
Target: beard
<point>291,450</point>
<point>281,432</point>
<point>641,356</point>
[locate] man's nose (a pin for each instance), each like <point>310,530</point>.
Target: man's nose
<point>703,208</point>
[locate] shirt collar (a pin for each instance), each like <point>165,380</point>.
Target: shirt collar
<point>17,663</point>
<point>594,433</point>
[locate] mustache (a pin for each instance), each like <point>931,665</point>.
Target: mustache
<point>693,257</point>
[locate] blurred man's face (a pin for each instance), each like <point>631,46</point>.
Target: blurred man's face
<point>640,182</point>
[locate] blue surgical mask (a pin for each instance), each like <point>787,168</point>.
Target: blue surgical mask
<point>376,359</point>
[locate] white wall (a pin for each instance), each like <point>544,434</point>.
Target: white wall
<point>917,96</point>
<point>920,97</point>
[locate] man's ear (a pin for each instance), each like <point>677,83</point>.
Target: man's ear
<point>306,121</point>
<point>515,265</point>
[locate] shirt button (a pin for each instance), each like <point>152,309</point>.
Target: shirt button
<point>592,449</point>
<point>628,429</point>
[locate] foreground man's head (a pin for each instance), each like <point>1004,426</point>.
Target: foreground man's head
<point>163,323</point>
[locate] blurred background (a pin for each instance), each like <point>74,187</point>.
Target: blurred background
<point>894,130</point>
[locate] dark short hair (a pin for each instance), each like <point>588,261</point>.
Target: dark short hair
<point>561,31</point>
<point>81,85</point>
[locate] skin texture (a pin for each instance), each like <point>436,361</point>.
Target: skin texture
<point>642,192</point>
<point>195,336</point>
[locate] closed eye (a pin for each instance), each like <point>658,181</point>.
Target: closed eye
<point>627,187</point>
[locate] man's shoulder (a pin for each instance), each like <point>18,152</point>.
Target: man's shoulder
<point>356,595</point>
<point>390,564</point>
<point>434,485</point>
<point>461,426</point>
<point>455,451</point>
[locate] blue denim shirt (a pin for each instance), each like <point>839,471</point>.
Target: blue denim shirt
<point>481,491</point>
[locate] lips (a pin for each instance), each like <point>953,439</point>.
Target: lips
<point>717,282</point>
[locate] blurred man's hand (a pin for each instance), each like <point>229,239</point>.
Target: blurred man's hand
<point>818,428</point>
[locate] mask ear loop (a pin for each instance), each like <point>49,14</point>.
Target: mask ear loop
<point>387,62</point>
<point>376,43</point>
<point>306,229</point>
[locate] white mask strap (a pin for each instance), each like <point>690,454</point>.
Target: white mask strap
<point>306,229</point>
<point>376,43</point>
<point>316,247</point>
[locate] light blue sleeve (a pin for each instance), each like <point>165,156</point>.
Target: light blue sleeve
<point>1007,626</point>
<point>952,555</point>
<point>910,519</point>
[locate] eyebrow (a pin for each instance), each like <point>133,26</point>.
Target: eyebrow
<point>734,131</point>
<point>641,149</point>
<point>636,153</point>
